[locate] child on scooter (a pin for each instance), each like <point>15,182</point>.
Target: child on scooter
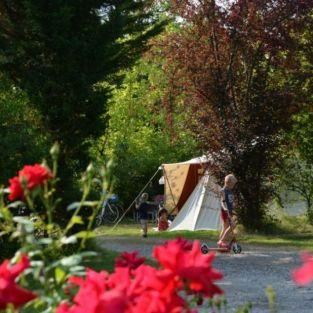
<point>227,209</point>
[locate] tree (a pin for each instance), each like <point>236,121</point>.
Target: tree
<point>138,138</point>
<point>58,51</point>
<point>22,139</point>
<point>235,65</point>
<point>302,135</point>
<point>297,176</point>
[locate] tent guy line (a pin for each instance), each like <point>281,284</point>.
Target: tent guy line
<point>191,193</point>
<point>130,206</point>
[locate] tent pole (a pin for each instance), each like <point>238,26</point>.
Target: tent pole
<point>126,211</point>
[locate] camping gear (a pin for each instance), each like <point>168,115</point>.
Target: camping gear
<point>202,209</point>
<point>232,245</point>
<point>180,179</point>
<point>191,194</point>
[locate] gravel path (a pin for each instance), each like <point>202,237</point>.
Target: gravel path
<point>245,276</point>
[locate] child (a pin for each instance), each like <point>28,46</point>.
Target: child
<point>142,208</point>
<point>162,220</point>
<point>227,203</point>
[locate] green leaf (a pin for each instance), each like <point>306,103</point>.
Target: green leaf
<point>33,253</point>
<point>37,263</point>
<point>60,275</point>
<point>72,260</point>
<point>77,220</point>
<point>75,205</point>
<point>77,270</point>
<point>16,204</point>
<point>22,220</point>
<point>45,241</point>
<point>6,213</point>
<point>69,240</point>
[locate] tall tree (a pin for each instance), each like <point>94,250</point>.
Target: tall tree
<point>57,51</point>
<point>138,138</point>
<point>22,138</point>
<point>234,63</point>
<point>296,176</point>
<point>302,135</point>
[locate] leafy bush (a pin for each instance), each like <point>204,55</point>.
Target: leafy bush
<point>182,280</point>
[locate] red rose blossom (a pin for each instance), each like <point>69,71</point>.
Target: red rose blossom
<point>94,296</point>
<point>190,265</point>
<point>10,292</point>
<point>304,275</point>
<point>130,260</point>
<point>16,190</point>
<point>34,176</point>
<point>184,272</point>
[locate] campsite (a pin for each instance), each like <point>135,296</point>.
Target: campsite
<point>156,156</point>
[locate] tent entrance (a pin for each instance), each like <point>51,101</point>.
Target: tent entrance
<point>202,209</point>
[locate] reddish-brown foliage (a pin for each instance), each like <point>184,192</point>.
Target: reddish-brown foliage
<point>234,63</point>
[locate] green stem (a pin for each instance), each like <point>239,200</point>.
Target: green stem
<point>1,197</point>
<point>55,167</point>
<point>69,225</point>
<point>29,202</point>
<point>47,203</point>
<point>93,216</point>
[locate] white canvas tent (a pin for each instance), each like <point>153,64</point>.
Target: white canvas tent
<point>202,209</point>
<point>192,194</point>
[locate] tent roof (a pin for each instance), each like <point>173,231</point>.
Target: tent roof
<point>198,160</point>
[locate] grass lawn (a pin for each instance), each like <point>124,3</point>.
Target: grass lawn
<point>287,239</point>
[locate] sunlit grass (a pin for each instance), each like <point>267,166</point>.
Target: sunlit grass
<point>133,230</point>
<point>286,239</point>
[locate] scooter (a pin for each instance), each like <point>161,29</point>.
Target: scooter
<point>233,245</point>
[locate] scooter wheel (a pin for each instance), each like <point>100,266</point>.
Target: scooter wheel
<point>204,249</point>
<point>237,250</point>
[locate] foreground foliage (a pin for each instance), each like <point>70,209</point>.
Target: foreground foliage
<point>39,278</point>
<point>183,271</point>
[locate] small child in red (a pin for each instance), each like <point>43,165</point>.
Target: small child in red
<point>162,220</point>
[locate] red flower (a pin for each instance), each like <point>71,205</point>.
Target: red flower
<point>94,295</point>
<point>191,266</point>
<point>159,293</point>
<point>63,308</point>
<point>148,290</point>
<point>34,176</point>
<point>121,279</point>
<point>130,260</point>
<point>110,301</point>
<point>185,244</point>
<point>16,190</point>
<point>304,275</point>
<point>10,292</point>
<point>145,289</point>
<point>185,271</point>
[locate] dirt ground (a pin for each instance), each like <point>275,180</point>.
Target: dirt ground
<point>246,276</point>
